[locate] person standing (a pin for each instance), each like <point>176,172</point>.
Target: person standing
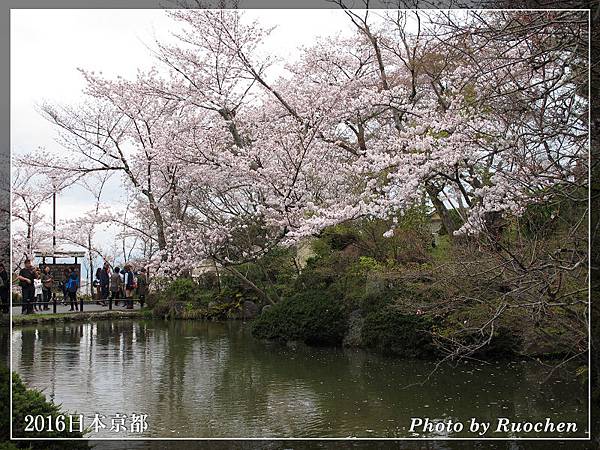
<point>26,277</point>
<point>72,287</point>
<point>64,282</point>
<point>122,290</point>
<point>4,288</point>
<point>47,287</point>
<point>129,283</point>
<point>96,286</point>
<point>37,286</point>
<point>142,286</point>
<point>115,285</point>
<point>104,283</point>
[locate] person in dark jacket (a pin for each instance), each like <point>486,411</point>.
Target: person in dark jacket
<point>63,285</point>
<point>104,278</point>
<point>129,282</point>
<point>116,285</point>
<point>26,276</point>
<point>142,285</point>
<point>4,288</point>
<point>47,286</point>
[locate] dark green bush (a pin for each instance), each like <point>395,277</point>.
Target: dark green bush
<point>318,274</point>
<point>30,401</point>
<point>389,331</point>
<point>152,299</point>
<point>504,344</point>
<point>236,295</point>
<point>375,301</point>
<point>339,237</point>
<point>312,317</point>
<point>162,308</point>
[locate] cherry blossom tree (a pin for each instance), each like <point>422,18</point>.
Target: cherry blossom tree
<point>81,231</point>
<point>30,190</point>
<point>462,112</point>
<point>5,216</point>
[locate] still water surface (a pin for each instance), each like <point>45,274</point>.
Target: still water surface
<point>204,379</point>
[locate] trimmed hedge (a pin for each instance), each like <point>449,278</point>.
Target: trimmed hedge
<point>392,332</point>
<point>312,317</point>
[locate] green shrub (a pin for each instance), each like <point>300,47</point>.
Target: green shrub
<point>511,331</point>
<point>221,311</point>
<point>375,299</point>
<point>235,295</point>
<point>274,273</point>
<point>389,331</point>
<point>182,290</point>
<point>180,294</point>
<point>152,299</point>
<point>30,401</point>
<point>162,308</point>
<point>312,317</point>
<point>364,266</point>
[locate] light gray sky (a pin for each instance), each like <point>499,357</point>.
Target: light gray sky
<point>47,47</point>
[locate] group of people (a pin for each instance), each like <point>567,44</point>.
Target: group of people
<point>38,285</point>
<point>120,284</point>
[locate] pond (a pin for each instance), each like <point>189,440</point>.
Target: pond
<point>207,379</point>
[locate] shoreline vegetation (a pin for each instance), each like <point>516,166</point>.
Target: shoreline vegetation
<point>33,402</point>
<point>418,294</point>
<point>30,319</point>
<point>421,293</point>
<point>412,336</point>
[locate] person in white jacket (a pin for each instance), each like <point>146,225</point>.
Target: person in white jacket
<point>37,285</point>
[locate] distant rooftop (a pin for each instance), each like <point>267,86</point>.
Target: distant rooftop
<point>59,254</point>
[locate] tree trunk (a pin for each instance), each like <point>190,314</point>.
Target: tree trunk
<point>160,225</point>
<point>228,116</point>
<point>441,209</point>
<point>250,284</point>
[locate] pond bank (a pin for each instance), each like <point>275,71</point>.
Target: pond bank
<point>78,317</point>
<point>346,332</point>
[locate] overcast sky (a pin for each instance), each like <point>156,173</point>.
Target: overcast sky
<point>47,47</point>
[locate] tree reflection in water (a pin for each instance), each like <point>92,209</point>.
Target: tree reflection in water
<point>214,380</point>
